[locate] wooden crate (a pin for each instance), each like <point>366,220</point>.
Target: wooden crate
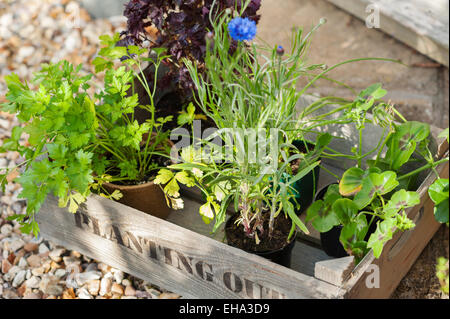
<point>180,255</point>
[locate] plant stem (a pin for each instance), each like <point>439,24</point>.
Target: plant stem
<point>423,168</point>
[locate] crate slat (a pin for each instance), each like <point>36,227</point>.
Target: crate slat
<point>171,256</point>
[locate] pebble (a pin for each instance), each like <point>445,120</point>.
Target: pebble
<point>166,295</point>
<point>55,254</point>
<point>91,267</point>
<point>69,294</point>
<point>10,294</point>
<point>34,261</point>
<point>25,52</point>
<point>83,293</point>
<point>93,287</point>
<point>117,289</point>
<point>105,286</point>
<point>33,32</point>
<point>19,278</point>
<point>118,276</point>
<point>84,277</point>
<point>43,249</point>
<point>130,291</point>
<point>71,261</point>
<point>16,244</point>
<point>32,295</point>
<point>6,266</point>
<point>50,285</point>
<point>30,247</point>
<point>22,262</point>
<point>154,294</point>
<point>126,282</point>
<point>33,282</point>
<point>60,273</point>
<point>38,271</point>
<point>6,229</point>
<point>12,272</point>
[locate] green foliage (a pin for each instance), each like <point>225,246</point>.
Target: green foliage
<point>253,97</point>
<point>442,274</point>
<point>439,194</point>
<point>368,196</point>
<point>321,214</point>
<point>76,143</point>
<point>404,142</point>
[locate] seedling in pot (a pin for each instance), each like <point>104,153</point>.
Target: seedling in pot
<point>382,188</point>
<point>76,142</point>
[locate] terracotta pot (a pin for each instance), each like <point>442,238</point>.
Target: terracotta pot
<point>148,198</point>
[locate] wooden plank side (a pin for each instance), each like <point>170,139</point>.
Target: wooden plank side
<point>421,24</point>
<point>400,253</point>
<point>335,271</point>
<point>178,259</point>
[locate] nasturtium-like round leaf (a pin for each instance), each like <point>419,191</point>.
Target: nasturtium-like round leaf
<point>441,212</point>
<point>375,184</point>
<point>353,233</point>
<point>345,209</point>
<point>403,142</point>
<point>401,200</point>
<point>384,182</point>
<point>321,216</point>
<point>385,231</point>
<point>439,190</point>
<point>332,194</point>
<point>352,180</point>
<point>172,189</point>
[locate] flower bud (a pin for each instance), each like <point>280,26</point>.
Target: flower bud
<point>280,50</point>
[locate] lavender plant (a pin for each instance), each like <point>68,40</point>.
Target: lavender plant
<point>240,93</point>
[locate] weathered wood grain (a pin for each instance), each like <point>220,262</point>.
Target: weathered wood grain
<point>335,271</point>
<point>171,256</point>
<point>421,24</point>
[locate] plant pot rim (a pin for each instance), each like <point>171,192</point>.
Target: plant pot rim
<point>265,252</point>
<point>138,186</point>
<point>130,187</point>
<point>316,198</point>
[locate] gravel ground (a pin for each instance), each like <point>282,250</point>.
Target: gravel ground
<point>33,32</point>
<point>36,31</point>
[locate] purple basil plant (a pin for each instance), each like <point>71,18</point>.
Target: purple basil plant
<point>181,28</point>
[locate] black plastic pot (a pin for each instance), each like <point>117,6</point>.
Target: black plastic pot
<point>306,187</point>
<point>280,256</point>
<point>330,240</point>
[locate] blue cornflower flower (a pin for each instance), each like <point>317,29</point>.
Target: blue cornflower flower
<point>242,29</point>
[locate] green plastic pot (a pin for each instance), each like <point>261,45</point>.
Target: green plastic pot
<point>306,187</point>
